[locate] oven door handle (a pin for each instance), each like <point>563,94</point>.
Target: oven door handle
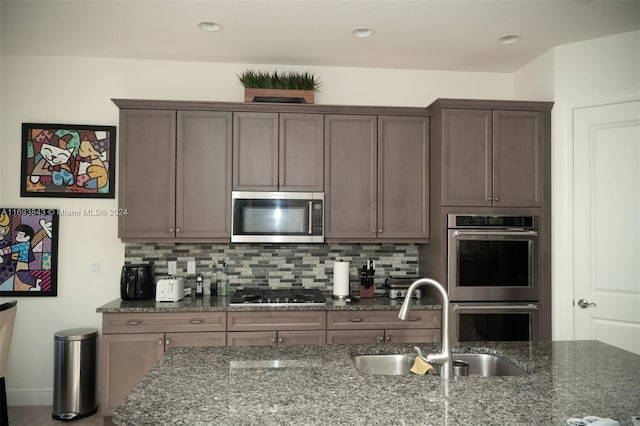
<point>530,306</point>
<point>497,233</point>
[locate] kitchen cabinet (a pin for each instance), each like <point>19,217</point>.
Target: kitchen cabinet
<point>350,327</point>
<point>274,327</point>
<point>376,178</point>
<point>132,343</point>
<point>175,175</point>
<point>490,158</point>
<point>278,152</point>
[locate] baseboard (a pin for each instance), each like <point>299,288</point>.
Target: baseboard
<point>33,397</point>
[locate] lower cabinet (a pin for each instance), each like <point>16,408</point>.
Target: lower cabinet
<point>133,343</point>
<point>276,328</point>
<point>354,327</point>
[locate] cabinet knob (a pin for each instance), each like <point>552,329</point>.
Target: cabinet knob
<point>171,230</point>
<point>356,320</point>
<point>373,231</point>
<point>167,342</point>
<point>496,199</point>
<point>273,340</point>
<point>379,231</point>
<point>197,321</point>
<point>380,339</point>
<point>160,342</point>
<point>134,322</point>
<point>388,338</point>
<point>489,198</point>
<point>177,229</point>
<point>279,339</point>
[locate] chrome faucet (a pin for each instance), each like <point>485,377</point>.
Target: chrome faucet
<point>444,357</point>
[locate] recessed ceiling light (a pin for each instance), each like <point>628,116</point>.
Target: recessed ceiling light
<point>509,39</point>
<point>209,26</point>
<point>363,32</point>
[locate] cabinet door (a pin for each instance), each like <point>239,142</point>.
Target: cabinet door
<point>350,177</point>
<point>403,178</point>
<point>203,187</point>
<point>126,358</point>
<point>517,158</point>
<point>147,174</point>
<point>301,153</point>
<point>302,338</point>
<point>353,337</point>
<point>255,151</point>
<point>466,157</point>
<point>252,338</point>
<point>179,340</point>
<point>412,336</point>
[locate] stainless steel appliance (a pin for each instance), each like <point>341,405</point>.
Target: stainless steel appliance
<point>397,287</point>
<point>493,258</point>
<point>493,280</point>
<point>137,282</point>
<point>277,297</point>
<point>277,217</point>
<point>494,321</point>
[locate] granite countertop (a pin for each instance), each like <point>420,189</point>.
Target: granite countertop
<point>302,385</point>
<point>221,304</point>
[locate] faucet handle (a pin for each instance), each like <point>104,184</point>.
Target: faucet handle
<point>417,349</point>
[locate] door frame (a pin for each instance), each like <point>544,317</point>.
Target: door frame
<point>563,255</point>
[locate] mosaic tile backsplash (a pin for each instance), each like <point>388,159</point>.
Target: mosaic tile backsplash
<point>276,265</point>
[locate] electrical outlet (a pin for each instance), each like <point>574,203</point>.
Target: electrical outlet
<point>95,268</point>
<point>191,267</point>
<point>173,267</point>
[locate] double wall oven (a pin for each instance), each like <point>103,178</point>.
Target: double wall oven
<point>493,277</point>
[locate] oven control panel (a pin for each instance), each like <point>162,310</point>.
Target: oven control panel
<point>485,221</point>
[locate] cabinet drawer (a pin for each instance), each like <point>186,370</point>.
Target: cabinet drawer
<point>355,337</point>
<point>302,337</point>
<point>430,335</point>
<point>180,340</point>
<point>163,322</point>
<point>252,338</point>
<point>367,320</point>
<point>273,320</point>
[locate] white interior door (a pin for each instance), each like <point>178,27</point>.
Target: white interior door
<point>607,224</point>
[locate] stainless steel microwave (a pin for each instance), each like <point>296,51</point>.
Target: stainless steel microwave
<point>277,217</point>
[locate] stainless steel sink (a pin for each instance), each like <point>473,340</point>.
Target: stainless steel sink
<point>480,365</point>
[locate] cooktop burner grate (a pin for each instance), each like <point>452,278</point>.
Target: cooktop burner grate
<point>277,297</point>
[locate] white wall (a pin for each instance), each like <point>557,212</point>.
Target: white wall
<point>78,91</point>
<point>577,74</point>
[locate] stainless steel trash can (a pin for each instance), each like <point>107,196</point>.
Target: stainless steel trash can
<point>74,374</point>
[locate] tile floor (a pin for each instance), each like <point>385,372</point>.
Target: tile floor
<point>41,416</point>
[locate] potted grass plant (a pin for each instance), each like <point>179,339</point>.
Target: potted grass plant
<point>292,86</point>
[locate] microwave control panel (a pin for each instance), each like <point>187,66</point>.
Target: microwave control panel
<point>316,218</point>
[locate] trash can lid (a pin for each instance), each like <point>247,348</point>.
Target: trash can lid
<point>76,334</point>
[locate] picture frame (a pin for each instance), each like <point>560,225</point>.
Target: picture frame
<point>67,160</point>
<point>28,252</point>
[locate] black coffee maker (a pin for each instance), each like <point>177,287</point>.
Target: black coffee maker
<point>137,282</point>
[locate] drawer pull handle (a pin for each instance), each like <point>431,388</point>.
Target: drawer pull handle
<point>356,320</point>
<point>197,321</point>
<point>134,322</point>
<point>415,319</point>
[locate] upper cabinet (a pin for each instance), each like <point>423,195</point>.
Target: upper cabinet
<point>175,175</point>
<point>490,157</point>
<point>376,178</point>
<point>278,152</point>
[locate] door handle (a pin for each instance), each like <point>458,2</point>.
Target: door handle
<point>585,303</point>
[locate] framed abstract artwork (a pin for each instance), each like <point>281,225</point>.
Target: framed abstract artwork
<point>67,160</point>
<point>28,252</point>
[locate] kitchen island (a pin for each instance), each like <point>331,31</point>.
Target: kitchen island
<point>318,384</point>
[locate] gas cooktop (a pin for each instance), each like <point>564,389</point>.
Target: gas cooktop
<point>277,297</point>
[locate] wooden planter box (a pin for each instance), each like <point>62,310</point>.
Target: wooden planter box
<point>278,95</point>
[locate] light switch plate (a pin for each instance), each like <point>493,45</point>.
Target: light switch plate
<point>191,267</point>
<point>172,267</point>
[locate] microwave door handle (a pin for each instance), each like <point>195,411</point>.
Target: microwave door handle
<point>496,233</point>
<point>530,306</point>
<point>310,217</point>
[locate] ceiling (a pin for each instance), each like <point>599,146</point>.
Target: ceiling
<point>447,35</point>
